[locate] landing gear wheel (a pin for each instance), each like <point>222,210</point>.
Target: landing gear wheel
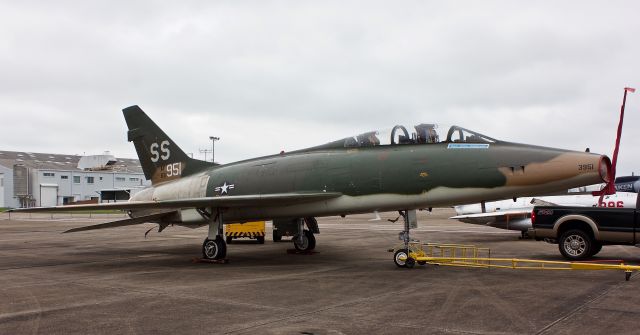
<point>260,239</point>
<point>276,236</point>
<point>308,241</point>
<point>402,253</point>
<point>575,245</point>
<point>229,239</point>
<point>410,262</point>
<point>214,249</point>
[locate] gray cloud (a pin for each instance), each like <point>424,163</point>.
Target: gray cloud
<point>267,76</point>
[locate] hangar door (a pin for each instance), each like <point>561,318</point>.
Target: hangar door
<point>48,195</point>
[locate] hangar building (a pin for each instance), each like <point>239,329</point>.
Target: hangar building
<point>36,179</point>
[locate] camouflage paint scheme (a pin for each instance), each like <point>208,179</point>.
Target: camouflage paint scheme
<point>361,179</point>
<point>343,177</point>
<point>348,176</point>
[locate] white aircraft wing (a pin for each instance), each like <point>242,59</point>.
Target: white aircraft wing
<point>513,219</point>
<point>483,218</point>
<point>540,202</point>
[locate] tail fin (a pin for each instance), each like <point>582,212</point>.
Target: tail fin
<point>161,159</point>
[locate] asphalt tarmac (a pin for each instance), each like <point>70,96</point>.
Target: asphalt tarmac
<point>116,281</point>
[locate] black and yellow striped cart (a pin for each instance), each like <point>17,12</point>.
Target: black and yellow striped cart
<point>253,229</point>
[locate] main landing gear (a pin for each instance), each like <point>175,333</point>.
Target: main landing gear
<point>214,247</point>
<point>304,240</point>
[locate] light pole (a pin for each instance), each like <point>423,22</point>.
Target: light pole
<point>213,141</point>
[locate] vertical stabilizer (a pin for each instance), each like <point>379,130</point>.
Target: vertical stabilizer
<point>161,158</point>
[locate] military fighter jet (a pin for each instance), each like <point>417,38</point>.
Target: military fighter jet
<point>399,171</point>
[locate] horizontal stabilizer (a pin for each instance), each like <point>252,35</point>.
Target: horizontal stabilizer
<point>121,223</point>
<point>278,199</point>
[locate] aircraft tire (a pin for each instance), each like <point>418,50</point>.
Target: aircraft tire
<point>214,249</point>
<point>575,245</point>
<point>410,263</point>
<point>308,244</point>
<point>397,255</point>
<point>312,239</point>
<point>223,247</point>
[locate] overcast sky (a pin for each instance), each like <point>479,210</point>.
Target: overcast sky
<point>267,76</point>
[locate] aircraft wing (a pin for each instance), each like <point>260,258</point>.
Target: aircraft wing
<point>120,223</point>
<point>513,219</point>
<point>540,202</point>
<point>487,218</point>
<point>279,199</point>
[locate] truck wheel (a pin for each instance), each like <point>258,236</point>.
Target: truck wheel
<point>260,239</point>
<point>575,244</point>
<point>595,248</point>
<point>229,239</point>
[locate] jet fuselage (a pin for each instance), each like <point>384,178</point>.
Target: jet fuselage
<point>385,178</point>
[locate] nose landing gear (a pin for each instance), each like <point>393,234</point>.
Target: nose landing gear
<point>401,257</point>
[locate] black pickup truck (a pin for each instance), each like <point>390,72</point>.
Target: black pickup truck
<point>580,232</point>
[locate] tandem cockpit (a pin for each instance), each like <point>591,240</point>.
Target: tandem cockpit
<point>425,133</point>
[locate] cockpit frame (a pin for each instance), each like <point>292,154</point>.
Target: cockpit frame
<point>425,133</point>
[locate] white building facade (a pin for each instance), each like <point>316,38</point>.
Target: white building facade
<point>48,180</point>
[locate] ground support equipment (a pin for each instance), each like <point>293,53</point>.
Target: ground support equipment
<point>471,256</point>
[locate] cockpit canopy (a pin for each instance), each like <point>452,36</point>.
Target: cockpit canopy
<point>424,133</point>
